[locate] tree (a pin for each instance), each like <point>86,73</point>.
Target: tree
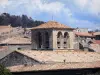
<point>15,21</point>
<point>4,71</point>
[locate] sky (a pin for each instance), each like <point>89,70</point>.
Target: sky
<point>74,13</point>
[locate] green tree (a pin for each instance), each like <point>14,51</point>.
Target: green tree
<point>4,71</point>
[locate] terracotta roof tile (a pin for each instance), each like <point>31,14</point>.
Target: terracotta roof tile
<point>16,40</point>
<point>55,56</point>
<point>56,66</point>
<point>5,28</point>
<point>51,24</point>
<point>96,41</point>
<point>97,33</point>
<point>84,34</point>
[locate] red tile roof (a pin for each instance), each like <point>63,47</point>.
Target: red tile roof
<point>56,66</point>
<point>16,40</point>
<point>96,33</point>
<point>4,28</point>
<point>96,41</point>
<point>51,24</point>
<point>84,34</point>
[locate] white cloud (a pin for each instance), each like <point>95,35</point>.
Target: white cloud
<point>81,3</point>
<point>3,2</point>
<point>32,6</point>
<point>51,7</point>
<point>95,7</point>
<point>91,6</point>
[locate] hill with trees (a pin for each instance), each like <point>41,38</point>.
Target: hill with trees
<point>15,21</point>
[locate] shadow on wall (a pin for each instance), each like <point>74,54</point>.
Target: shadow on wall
<point>81,46</point>
<point>91,50</point>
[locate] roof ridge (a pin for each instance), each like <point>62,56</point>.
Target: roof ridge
<point>52,24</point>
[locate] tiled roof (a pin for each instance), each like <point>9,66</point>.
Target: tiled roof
<point>96,33</point>
<point>84,34</point>
<point>16,40</point>
<point>56,56</point>
<point>5,28</point>
<point>96,41</point>
<point>56,66</point>
<point>51,24</point>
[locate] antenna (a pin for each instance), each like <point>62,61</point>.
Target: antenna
<point>52,17</point>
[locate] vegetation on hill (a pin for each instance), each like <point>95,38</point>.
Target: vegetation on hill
<point>15,21</point>
<point>4,71</point>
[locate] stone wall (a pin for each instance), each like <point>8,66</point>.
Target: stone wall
<point>21,47</point>
<point>70,42</point>
<point>16,58</point>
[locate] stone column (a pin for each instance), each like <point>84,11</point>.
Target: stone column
<point>54,40</point>
<point>51,40</point>
<point>62,41</point>
<point>71,38</point>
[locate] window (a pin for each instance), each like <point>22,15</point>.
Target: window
<point>64,42</point>
<point>58,42</point>
<point>59,39</point>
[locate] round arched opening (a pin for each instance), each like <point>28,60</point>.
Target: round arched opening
<point>59,39</point>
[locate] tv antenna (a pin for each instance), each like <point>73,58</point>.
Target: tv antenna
<point>52,17</point>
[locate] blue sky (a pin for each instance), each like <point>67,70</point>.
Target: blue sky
<point>74,13</point>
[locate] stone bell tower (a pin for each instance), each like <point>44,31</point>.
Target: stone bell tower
<point>52,35</point>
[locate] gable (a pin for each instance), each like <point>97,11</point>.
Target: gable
<point>16,58</point>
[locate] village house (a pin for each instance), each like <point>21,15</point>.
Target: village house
<point>15,43</point>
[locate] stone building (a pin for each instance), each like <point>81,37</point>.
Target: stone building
<point>52,35</point>
<point>82,40</point>
<point>81,30</point>
<point>97,35</point>
<point>13,58</point>
<point>15,43</point>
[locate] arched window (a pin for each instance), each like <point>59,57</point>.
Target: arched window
<point>39,39</point>
<point>59,39</point>
<point>66,35</point>
<point>59,35</point>
<point>66,38</point>
<point>46,39</point>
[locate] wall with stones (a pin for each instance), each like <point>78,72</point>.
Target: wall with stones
<point>16,58</point>
<point>21,47</point>
<point>70,41</point>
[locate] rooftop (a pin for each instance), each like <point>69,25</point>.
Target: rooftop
<point>54,60</point>
<point>16,40</point>
<point>51,24</point>
<point>60,56</point>
<point>57,66</point>
<point>97,33</point>
<point>5,28</point>
<point>96,41</point>
<point>84,34</point>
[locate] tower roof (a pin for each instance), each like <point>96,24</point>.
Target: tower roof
<point>51,25</point>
